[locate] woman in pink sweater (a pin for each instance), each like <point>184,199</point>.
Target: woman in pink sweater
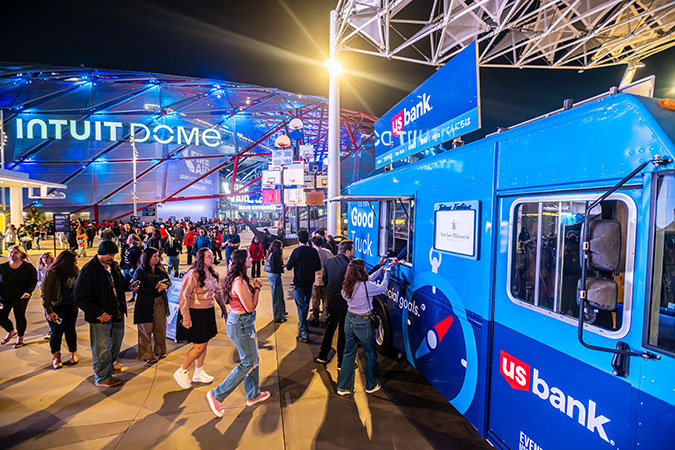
<point>198,295</point>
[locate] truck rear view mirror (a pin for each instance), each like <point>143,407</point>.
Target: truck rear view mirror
<point>601,293</point>
<point>604,245</point>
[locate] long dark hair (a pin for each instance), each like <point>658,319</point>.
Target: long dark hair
<point>198,266</point>
<point>356,271</point>
<point>236,269</point>
<point>275,247</point>
<point>64,266</point>
<point>145,258</point>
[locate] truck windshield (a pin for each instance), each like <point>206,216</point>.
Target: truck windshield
<point>662,308</point>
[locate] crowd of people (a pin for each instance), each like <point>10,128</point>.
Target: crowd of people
<point>329,286</point>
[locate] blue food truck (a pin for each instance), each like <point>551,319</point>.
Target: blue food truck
<point>504,241</point>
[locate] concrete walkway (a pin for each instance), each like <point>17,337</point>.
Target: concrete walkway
<point>45,408</point>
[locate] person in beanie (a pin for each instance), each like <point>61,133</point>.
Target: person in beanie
<point>99,292</point>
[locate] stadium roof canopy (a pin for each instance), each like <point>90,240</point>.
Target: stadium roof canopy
<point>88,113</point>
<point>567,34</point>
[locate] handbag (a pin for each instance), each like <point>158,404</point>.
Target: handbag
<point>374,318</point>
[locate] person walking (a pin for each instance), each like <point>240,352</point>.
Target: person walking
<point>10,236</point>
<point>231,242</point>
<point>217,245</point>
<point>359,289</point>
<point>99,293</point>
<point>257,254</point>
<point>244,297</point>
<point>60,309</point>
<point>198,294</point>
<point>274,266</point>
<point>333,276</point>
<point>18,279</point>
<point>81,238</point>
<point>91,234</point>
<point>152,306</point>
<point>189,241</point>
<point>319,295</point>
<point>304,261</point>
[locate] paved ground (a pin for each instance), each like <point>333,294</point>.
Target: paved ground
<point>44,408</point>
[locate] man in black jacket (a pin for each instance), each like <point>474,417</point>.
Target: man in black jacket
<point>333,276</point>
<point>304,261</point>
<point>99,292</point>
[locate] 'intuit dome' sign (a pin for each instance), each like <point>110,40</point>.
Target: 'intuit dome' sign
<point>112,131</point>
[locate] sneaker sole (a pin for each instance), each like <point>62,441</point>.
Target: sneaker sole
<point>202,381</point>
<point>375,389</point>
<point>344,393</point>
<point>213,407</point>
<point>180,384</point>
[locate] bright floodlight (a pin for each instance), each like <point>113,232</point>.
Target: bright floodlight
<point>333,66</point>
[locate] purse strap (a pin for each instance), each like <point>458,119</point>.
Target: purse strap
<point>365,285</point>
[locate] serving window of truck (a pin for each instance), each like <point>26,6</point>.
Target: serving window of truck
<point>544,256</point>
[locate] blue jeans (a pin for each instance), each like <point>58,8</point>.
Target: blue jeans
<point>358,330</point>
<point>278,304</point>
<point>302,295</point>
<point>106,340</point>
<point>241,331</point>
<point>174,262</point>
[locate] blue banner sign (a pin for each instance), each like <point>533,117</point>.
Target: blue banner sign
<point>442,108</point>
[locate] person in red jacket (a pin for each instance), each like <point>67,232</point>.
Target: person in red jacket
<point>189,241</point>
<point>257,255</point>
<point>217,245</point>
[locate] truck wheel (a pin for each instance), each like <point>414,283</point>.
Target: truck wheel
<point>383,332</point>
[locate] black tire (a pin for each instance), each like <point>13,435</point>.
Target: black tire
<point>383,333</point>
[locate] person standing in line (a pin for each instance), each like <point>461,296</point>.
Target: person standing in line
<point>333,276</point>
<point>99,293</point>
<point>331,244</point>
<point>231,242</point>
<point>319,295</point>
<point>198,294</point>
<point>217,245</point>
<point>257,254</point>
<point>81,238</point>
<point>274,266</point>
<point>18,279</point>
<point>107,234</point>
<point>172,250</point>
<point>359,289</point>
<point>130,259</point>
<point>201,241</point>
<point>60,308</point>
<point>304,261</point>
<point>91,234</point>
<point>46,260</point>
<point>179,234</point>
<point>189,242</point>
<point>152,306</point>
<point>241,331</point>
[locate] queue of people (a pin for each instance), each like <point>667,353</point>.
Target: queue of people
<point>339,291</point>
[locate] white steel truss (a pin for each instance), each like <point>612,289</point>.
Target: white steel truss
<point>564,34</point>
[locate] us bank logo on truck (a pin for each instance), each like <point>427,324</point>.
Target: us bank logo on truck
<point>408,116</point>
<point>522,377</point>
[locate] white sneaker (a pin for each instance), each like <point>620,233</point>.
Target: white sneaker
<point>181,377</point>
<point>375,389</point>
<point>201,377</point>
<point>344,392</point>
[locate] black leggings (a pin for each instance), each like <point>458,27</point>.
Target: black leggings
<point>255,269</point>
<point>68,314</point>
<point>19,307</point>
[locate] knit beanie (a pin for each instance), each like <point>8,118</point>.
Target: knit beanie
<point>107,248</point>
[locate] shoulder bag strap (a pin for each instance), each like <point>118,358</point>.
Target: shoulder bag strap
<point>365,285</point>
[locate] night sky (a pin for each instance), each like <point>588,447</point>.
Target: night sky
<point>272,43</point>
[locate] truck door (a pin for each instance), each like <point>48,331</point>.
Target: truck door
<point>547,391</point>
<point>656,416</point>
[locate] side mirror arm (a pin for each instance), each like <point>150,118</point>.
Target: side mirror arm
<point>657,161</point>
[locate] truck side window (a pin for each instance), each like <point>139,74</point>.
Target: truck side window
<point>662,307</point>
<point>396,225</point>
<point>545,255</point>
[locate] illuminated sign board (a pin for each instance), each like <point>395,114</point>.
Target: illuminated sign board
<point>442,108</point>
